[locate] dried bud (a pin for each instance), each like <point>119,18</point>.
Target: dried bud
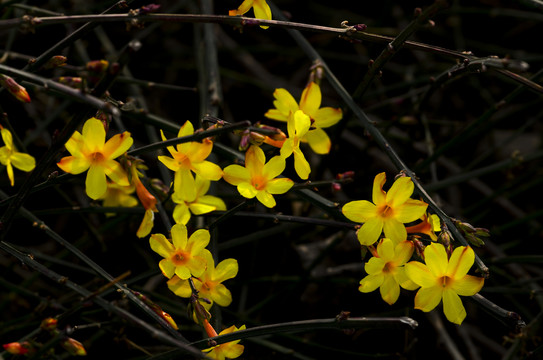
<point>55,61</point>
<point>14,88</point>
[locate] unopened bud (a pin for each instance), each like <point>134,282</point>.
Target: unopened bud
<point>71,81</point>
<point>55,61</point>
<point>73,347</point>
<point>18,348</point>
<point>14,88</point>
<point>97,66</point>
<point>49,324</point>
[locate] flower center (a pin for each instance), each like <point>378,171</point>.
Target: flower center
<point>180,258</point>
<point>259,182</point>
<point>97,157</point>
<point>184,162</point>
<point>386,211</point>
<point>389,267</point>
<point>445,281</point>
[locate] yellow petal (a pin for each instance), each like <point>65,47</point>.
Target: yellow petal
<point>400,191</point>
<point>403,280</point>
<point>245,6</point>
<point>198,241</point>
<point>468,286</point>
<point>196,265</point>
<point>199,208</point>
<point>23,161</point>
<point>227,269</point>
<point>395,230</point>
<point>11,176</point>
<point>75,144</point>
<point>161,245</point>
<point>212,201</point>
<point>179,236</point>
<point>7,137</point>
<point>284,102</point>
<point>420,274</point>
<point>167,267</point>
<point>287,148</point>
<point>115,172</point>
<point>311,99</point>
<point>221,295</point>
<point>371,283</point>
<point>181,214</point>
<point>266,199</point>
<point>274,167</point>
<point>390,290</point>
<point>428,298</point>
<point>146,224</point>
<point>359,211</point>
<point>461,261</point>
<point>254,160</point>
<point>180,287</point>
<point>262,11</point>
<point>208,170</point>
<point>169,162</point>
<point>302,123</point>
<point>73,165</point>
<point>403,252</point>
<point>236,174</point>
<point>118,145</point>
<point>378,195</point>
<point>410,210</point>
<point>301,165</point>
<point>436,259</point>
<point>453,307</point>
<point>385,250</point>
<point>96,184</point>
<point>94,134</point>
<point>319,141</point>
<point>374,266</point>
<point>275,114</point>
<point>369,233</point>
<point>326,117</point>
<point>279,186</point>
<point>184,185</point>
<point>197,152</point>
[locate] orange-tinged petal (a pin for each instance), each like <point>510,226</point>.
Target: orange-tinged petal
<point>73,165</point>
<point>400,191</point>
<point>468,286</point>
<point>410,211</point>
<point>453,307</point>
<point>301,165</point>
<point>181,213</point>
<point>274,167</point>
<point>266,199</point>
<point>23,161</point>
<point>319,141</point>
<point>395,230</point>
<point>96,183</point>
<point>161,245</point>
<point>436,259</point>
<point>420,274</point>
<point>326,117</point>
<point>369,233</point>
<point>378,195</point>
<point>371,283</point>
<point>94,134</point>
<point>179,236</point>
<point>428,298</point>
<point>279,186</point>
<point>359,211</point>
<point>311,99</point>
<point>198,152</point>
<point>117,145</point>
<point>461,261</point>
<point>208,170</point>
<point>236,174</point>
<point>390,290</point>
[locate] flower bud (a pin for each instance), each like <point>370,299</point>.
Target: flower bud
<point>73,347</point>
<point>18,348</point>
<point>14,88</point>
<point>49,324</point>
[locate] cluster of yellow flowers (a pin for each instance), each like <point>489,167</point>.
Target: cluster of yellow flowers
<point>440,278</point>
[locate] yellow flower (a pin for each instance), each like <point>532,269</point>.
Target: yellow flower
<point>184,256</point>
<point>229,350</point>
<point>90,152</point>
<point>209,284</point>
<point>258,178</point>
<point>187,157</point>
<point>202,204</point>
<point>298,126</point>
<point>388,212</point>
<point>443,278</point>
<point>261,8</point>
<point>9,156</point>
<point>117,195</point>
<point>386,270</point>
<point>310,103</point>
